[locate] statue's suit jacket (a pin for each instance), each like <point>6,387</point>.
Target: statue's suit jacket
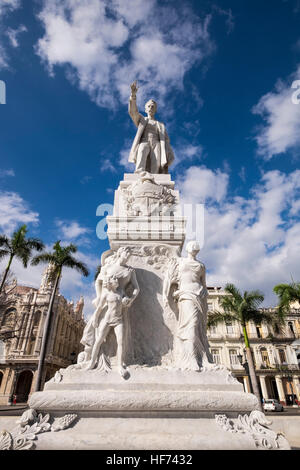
<point>167,155</point>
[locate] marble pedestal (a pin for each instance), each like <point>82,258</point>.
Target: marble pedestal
<point>158,406</point>
<point>155,408</point>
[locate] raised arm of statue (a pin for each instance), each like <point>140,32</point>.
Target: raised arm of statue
<point>132,106</point>
<point>98,286</point>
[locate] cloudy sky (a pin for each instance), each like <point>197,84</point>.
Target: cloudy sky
<point>222,72</point>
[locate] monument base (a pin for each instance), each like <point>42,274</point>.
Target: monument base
<point>159,433</point>
<point>155,409</point>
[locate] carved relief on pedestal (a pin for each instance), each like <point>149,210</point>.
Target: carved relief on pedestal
<point>146,197</point>
<point>155,256</point>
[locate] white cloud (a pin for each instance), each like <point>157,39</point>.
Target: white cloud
<point>7,7</point>
<point>186,151</point>
<point>106,165</point>
<point>5,173</point>
<point>202,184</point>
<point>14,33</point>
<point>281,129</point>
<point>124,154</point>
<point>31,276</point>
<point>71,230</point>
<point>252,242</point>
<point>90,36</point>
<point>14,211</point>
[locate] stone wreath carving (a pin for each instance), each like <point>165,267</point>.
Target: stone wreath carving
<point>257,427</point>
<point>29,426</point>
<point>156,256</point>
<point>146,198</point>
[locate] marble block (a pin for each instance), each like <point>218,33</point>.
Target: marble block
<point>147,389</point>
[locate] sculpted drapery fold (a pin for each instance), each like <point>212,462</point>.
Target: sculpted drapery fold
<point>187,275</point>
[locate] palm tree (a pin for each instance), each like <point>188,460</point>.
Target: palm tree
<point>59,258</point>
<point>243,308</point>
<point>18,246</point>
<point>97,272</point>
<point>287,293</point>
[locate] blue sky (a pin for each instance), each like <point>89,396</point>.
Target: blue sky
<point>221,72</point>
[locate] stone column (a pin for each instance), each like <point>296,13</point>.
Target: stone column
<point>296,384</point>
<point>247,384</point>
<point>263,385</point>
<point>28,330</point>
<point>24,316</point>
<point>280,388</point>
<point>40,331</point>
<point>257,358</point>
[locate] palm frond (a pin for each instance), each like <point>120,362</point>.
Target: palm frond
<point>217,317</point>
<point>72,263</point>
<point>4,241</point>
<point>35,244</point>
<point>43,258</point>
<point>234,291</point>
<point>287,293</point>
<point>4,253</point>
<point>97,272</point>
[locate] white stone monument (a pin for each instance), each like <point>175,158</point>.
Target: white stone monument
<point>146,379</point>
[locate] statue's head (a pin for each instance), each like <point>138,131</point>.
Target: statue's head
<point>151,107</point>
<point>193,247</point>
<point>111,283</point>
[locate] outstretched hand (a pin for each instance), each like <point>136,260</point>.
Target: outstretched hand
<point>134,88</point>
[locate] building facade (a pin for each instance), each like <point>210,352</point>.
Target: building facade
<point>22,316</point>
<point>276,354</point>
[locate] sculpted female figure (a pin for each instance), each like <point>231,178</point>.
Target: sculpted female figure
<point>188,276</point>
<point>114,285</point>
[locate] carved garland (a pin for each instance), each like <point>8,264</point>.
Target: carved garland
<point>30,425</point>
<point>257,427</point>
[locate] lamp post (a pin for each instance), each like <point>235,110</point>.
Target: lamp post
<point>245,365</point>
<point>289,378</point>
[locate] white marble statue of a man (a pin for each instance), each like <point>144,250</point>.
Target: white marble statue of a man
<point>151,150</point>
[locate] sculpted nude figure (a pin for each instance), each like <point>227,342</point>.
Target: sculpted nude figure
<point>112,285</point>
<point>113,318</point>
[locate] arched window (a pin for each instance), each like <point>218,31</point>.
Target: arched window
<point>216,356</point>
<point>31,345</point>
<point>265,357</point>
<point>291,327</point>
<point>36,319</point>
<point>233,357</point>
<point>1,377</point>
<point>229,328</point>
<point>23,385</point>
<point>8,319</point>
<point>259,330</point>
<point>282,356</point>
